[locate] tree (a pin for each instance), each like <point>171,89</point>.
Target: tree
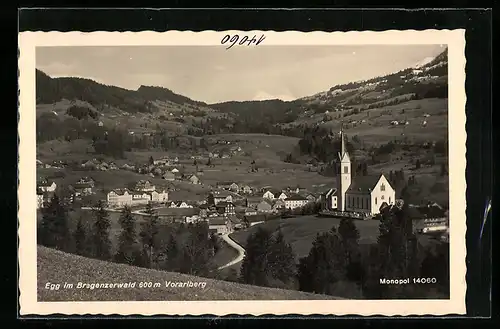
<point>101,245</point>
<point>255,265</point>
<point>323,267</point>
<point>129,251</point>
<point>365,169</point>
<point>80,238</point>
<point>196,252</point>
<point>417,164</point>
<point>148,235</point>
<point>396,254</point>
<point>53,231</point>
<point>349,237</point>
<point>172,253</point>
<point>281,261</point>
<point>151,160</point>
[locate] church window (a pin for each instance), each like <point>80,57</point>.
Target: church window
<point>382,197</point>
<point>382,187</point>
<point>346,169</point>
<point>375,200</point>
<point>357,202</point>
<point>389,200</point>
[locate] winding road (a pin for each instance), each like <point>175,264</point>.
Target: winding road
<point>232,243</point>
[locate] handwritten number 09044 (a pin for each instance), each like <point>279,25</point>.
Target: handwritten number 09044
<point>241,40</point>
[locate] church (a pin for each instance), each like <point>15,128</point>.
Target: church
<point>363,194</point>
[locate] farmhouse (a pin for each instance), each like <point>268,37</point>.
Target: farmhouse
<point>264,206</point>
<point>225,208</point>
<point>194,180</point>
<point>246,189</point>
<point>366,193</point>
<point>46,186</point>
<point>39,199</point>
<point>216,197</point>
<point>83,186</point>
<point>295,201</point>
<point>144,186</point>
<point>272,194</point>
<point>278,205</point>
<point>220,225</point>
<point>180,204</point>
<point>168,176</point>
<point>159,195</point>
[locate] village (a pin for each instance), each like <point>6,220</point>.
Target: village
<point>230,205</point>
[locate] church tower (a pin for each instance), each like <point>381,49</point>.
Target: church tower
<point>344,177</point>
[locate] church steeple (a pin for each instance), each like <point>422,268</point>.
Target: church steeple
<point>343,155</point>
<point>344,178</point>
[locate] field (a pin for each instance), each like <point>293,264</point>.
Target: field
<point>301,231</point>
<point>377,126</point>
<point>58,267</point>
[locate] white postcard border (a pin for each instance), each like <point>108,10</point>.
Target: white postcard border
<point>454,39</point>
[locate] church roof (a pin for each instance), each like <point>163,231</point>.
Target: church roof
<point>363,184</point>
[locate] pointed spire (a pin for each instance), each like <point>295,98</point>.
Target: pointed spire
<point>343,149</point>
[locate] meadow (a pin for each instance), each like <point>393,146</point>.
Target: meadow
<point>301,231</point>
<point>58,267</point>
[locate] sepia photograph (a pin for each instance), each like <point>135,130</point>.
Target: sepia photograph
<point>246,171</point>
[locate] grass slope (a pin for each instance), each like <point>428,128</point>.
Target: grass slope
<point>301,231</point>
<point>58,267</point>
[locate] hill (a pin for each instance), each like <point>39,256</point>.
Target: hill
<point>52,90</point>
<point>427,81</point>
<point>58,267</point>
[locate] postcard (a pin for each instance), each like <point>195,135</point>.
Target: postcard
<point>242,173</point>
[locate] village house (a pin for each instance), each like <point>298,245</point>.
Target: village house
<point>174,170</point>
<point>168,176</point>
<point>234,187</point>
<point>246,189</point>
<point>264,207</point>
<point>311,197</point>
<point>159,195</point>
<point>216,197</point>
<point>220,225</point>
<point>162,162</point>
<point>83,186</point>
<point>119,198</point>
<point>278,205</point>
<point>329,199</point>
<point>46,186</point>
<point>39,199</point>
<point>271,194</point>
<point>139,197</point>
<point>249,212</point>
<point>364,194</point>
<point>295,201</point>
<point>225,208</point>
<point>180,204</point>
<point>254,220</point>
<point>224,185</point>
<point>194,180</point>
<point>252,202</point>
<point>144,186</point>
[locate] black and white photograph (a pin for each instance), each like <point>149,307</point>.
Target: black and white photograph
<point>246,171</point>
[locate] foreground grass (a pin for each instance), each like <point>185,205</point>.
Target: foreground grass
<point>58,267</point>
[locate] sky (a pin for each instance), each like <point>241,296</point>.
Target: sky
<point>213,74</point>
